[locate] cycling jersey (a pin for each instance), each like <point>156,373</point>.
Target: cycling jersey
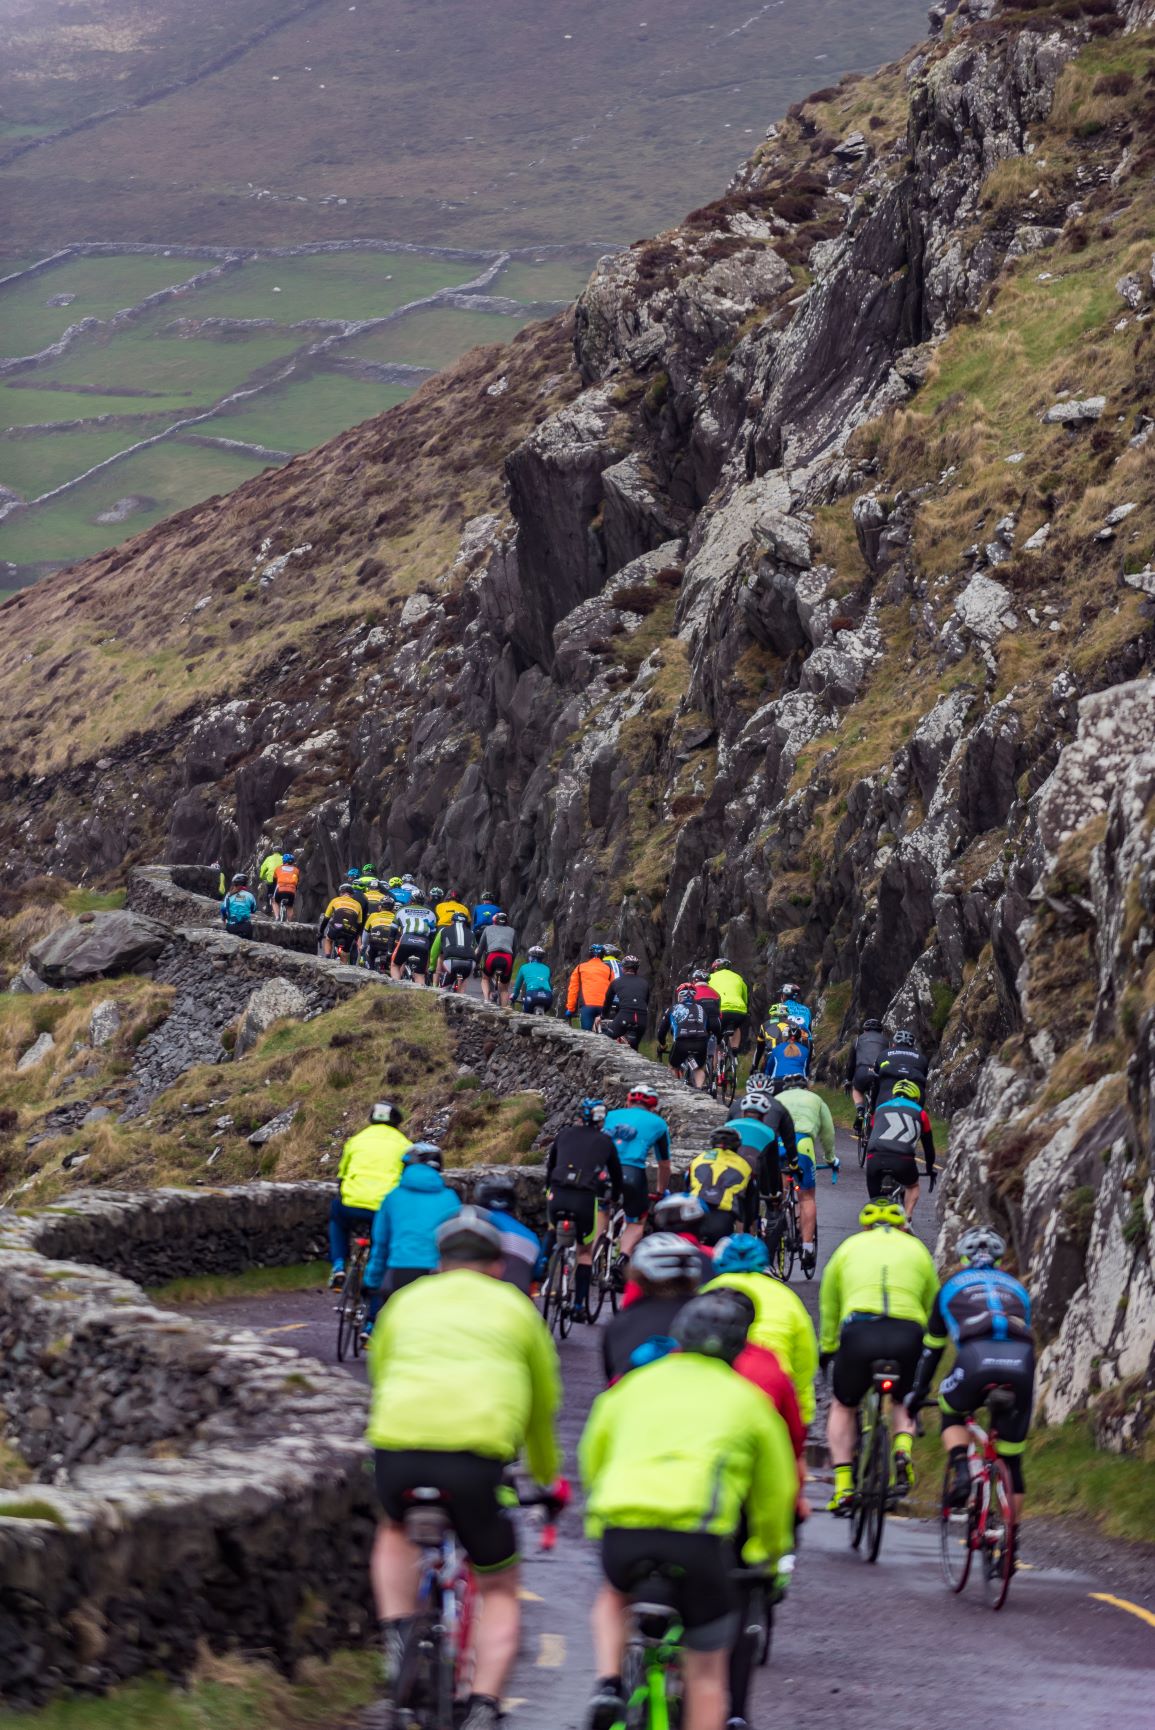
<point>588,984</point>
<point>520,1247</point>
<point>371,1165</point>
<point>345,909</point>
<point>762,1368</point>
<point>402,895</point>
<point>882,1272</point>
<point>464,1362</point>
<point>630,1334</point>
<point>269,865</point>
<point>781,1052</point>
<point>405,1225</point>
<point>897,1127</point>
<point>628,999</point>
<point>637,1133</point>
<point>799,1011</point>
<point>447,910</point>
<point>582,1158</point>
<point>496,940</point>
<point>810,1116</point>
<point>685,1446</point>
<point>454,942</point>
<point>897,1065</point>
<point>696,1020</point>
<point>980,1303</point>
<point>483,914</point>
<point>238,908</point>
<point>286,879</point>
<point>865,1053</point>
<point>416,920</point>
<point>531,978</point>
<point>782,1325</point>
<point>731,989</point>
<point>379,925</point>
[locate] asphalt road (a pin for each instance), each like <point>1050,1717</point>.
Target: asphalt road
<point>855,1647</point>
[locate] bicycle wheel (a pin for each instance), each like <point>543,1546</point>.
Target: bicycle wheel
<point>551,1292</point>
<point>729,1078</point>
<point>565,1306</point>
<point>349,1314</point>
<point>955,1531</point>
<point>599,1276</point>
<point>862,1137</point>
<point>998,1537</point>
<point>635,1688</point>
<point>866,1416</point>
<point>791,1238</point>
<point>878,1481</point>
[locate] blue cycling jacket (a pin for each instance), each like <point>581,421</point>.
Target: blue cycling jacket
<point>637,1133</point>
<point>531,976</point>
<point>405,1225</point>
<point>238,906</point>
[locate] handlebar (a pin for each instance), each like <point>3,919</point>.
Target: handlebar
<point>555,1500</point>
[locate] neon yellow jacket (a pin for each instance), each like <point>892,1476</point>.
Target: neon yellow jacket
<point>810,1115</point>
<point>685,1444</point>
<point>782,1325</point>
<point>371,1165</point>
<point>447,911</point>
<point>882,1272</point>
<point>269,866</point>
<point>731,988</point>
<point>463,1362</point>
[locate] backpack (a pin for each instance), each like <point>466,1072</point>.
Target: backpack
<point>720,1178</point>
<point>457,940</point>
<point>692,1021</point>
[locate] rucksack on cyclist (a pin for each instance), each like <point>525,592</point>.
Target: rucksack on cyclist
<point>720,1179</point>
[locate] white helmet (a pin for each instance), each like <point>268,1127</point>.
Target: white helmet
<point>662,1256</point>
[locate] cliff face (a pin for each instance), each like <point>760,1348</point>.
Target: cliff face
<point>793,598</point>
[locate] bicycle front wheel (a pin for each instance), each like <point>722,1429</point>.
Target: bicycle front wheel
<point>878,1487</point>
<point>955,1529</point>
<point>862,1147</point>
<point>551,1292</point>
<point>565,1306</point>
<point>349,1316</point>
<point>599,1277</point>
<point>998,1537</point>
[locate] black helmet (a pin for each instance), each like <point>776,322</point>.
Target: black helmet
<point>630,964</point>
<point>715,1325</point>
<point>469,1236</point>
<point>904,1039</point>
<point>872,1024</point>
<point>498,1193</point>
<point>727,1138</point>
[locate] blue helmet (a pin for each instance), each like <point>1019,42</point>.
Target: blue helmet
<point>352,874</point>
<point>593,1112</point>
<point>286,858</point>
<point>742,1254</point>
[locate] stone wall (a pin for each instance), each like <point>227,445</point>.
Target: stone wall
<point>187,895</point>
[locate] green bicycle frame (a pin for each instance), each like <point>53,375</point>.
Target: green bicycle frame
<point>651,1690</point>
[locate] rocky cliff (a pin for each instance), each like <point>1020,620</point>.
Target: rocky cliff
<point>792,595</point>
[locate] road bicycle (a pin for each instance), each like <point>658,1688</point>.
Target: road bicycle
<point>435,1667</point>
<point>862,1134</point>
<point>559,1286</point>
<point>353,1307</point>
<point>605,1273</point>
<point>652,1662</point>
<point>723,1082</point>
<point>987,1526</point>
<point>788,1248</point>
<point>874,1489</point>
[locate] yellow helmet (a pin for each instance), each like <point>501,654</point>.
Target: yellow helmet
<point>883,1213</point>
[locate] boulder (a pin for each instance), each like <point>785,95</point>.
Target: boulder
<point>275,1126</point>
<point>276,1000</point>
<point>37,1052</point>
<point>985,607</point>
<point>104,1022</point>
<point>1075,413</point>
<point>27,981</point>
<point>98,944</point>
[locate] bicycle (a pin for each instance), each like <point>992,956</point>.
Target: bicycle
<point>724,1073</point>
<point>604,1280</point>
<point>558,1287</point>
<point>414,972</point>
<point>435,1671</point>
<point>987,1526</point>
<point>874,1492</point>
<point>353,1309</point>
<point>652,1662</point>
<point>862,1133</point>
<point>788,1249</point>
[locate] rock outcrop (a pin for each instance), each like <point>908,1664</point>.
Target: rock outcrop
<point>96,946</point>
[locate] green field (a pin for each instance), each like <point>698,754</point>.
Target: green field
<point>435,337</point>
<point>346,285</point>
<point>547,279</point>
<point>169,372</point>
<point>305,412</point>
<point>171,475</point>
<point>102,286</point>
<point>33,466</point>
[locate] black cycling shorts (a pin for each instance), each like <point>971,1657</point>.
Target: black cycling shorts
<point>457,966</point>
<point>415,949</point>
<point>863,1081</point>
<point>471,1488</point>
<point>981,1365</point>
<point>864,1340</point>
<point>734,1018</point>
<point>581,1205</point>
<point>342,932</point>
<point>286,897</point>
<point>897,1167</point>
<point>635,1192</point>
<point>696,1047</point>
<point>696,1569</point>
<point>718,1224</point>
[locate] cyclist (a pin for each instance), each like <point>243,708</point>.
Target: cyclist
<point>496,948</point>
<point>639,1132</point>
<point>670,1458</point>
<point>379,937</point>
<point>704,991</point>
<point>484,911</point>
<point>791,996</point>
<point>464,1377</point>
<point>370,1167</point>
<point>781,1323</point>
<point>878,1290</point>
<point>267,874</point>
<point>405,1226</point>
<point>448,907</point>
<point>588,985</point>
<point>612,956</point>
<point>520,1246</point>
<point>627,1004</point>
<point>813,1128</point>
<point>782,1048</point>
<point>683,1215</point>
<point>415,925</point>
<point>897,1126</point>
<point>864,1054</point>
<point>667,1271</point>
<point>238,907</point>
<point>763,1123</point>
<point>582,1162</point>
<point>286,879</point>
<point>901,1061</point>
<point>401,889</point>
<point>986,1314</point>
<point>725,1180</point>
<point>453,955</point>
<point>734,1000</point>
<point>532,982</point>
<point>693,1025</point>
<point>341,923</point>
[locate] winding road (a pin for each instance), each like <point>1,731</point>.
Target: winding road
<point>855,1647</point>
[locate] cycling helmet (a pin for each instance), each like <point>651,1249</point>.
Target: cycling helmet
<point>904,1039</point>
<point>759,1083</point>
<point>678,1213</point>
<point>700,976</point>
<point>777,1012</point>
<point>368,870</point>
<point>384,1112</point>
<point>795,1025</point>
<point>469,1236</point>
<point>536,952</point>
<point>783,1083</point>
<point>722,962</point>
<point>501,917</point>
<point>726,1137</point>
<point>742,1253</point>
<point>665,1256</point>
<point>613,949</point>
<point>394,882</point>
<point>883,1213</point>
<point>437,895</point>
<point>630,964</point>
<point>792,991</point>
<point>872,1024</point>
<point>593,1112</point>
<point>685,994</point>
<point>643,1096</point>
<point>409,878</point>
<point>239,879</point>
<point>287,858</point>
<point>754,1102</point>
<point>715,1324</point>
<point>981,1247</point>
<point>597,950</point>
<point>423,1153</point>
<point>497,1193</point>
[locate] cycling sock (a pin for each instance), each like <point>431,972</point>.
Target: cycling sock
<point>957,1454</point>
<point>903,1443</point>
<point>582,1285</point>
<point>843,1479</point>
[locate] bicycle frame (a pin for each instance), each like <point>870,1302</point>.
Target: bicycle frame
<point>872,1462</point>
<point>656,1658</point>
<point>990,1516</point>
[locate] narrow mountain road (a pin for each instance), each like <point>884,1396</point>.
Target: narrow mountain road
<point>855,1647</point>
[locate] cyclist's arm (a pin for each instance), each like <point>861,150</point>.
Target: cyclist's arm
<point>571,996</point>
<point>770,1172</point>
<point>787,1137</point>
<point>663,1032</point>
<point>346,1156</point>
<point>934,1342</point>
<point>773,1492</point>
<point>826,1129</point>
<point>610,1005</point>
<point>542,1453</point>
<point>830,1304</point>
<point>435,952</point>
<point>614,1168</point>
<point>515,993</point>
<point>927,1142</point>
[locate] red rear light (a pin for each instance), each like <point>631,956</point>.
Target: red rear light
<point>886,1386</point>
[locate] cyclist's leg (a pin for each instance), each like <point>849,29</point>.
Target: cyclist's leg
<point>850,1380</point>
<point>342,1221</point>
<point>807,1196</point>
<point>589,1219</point>
<point>636,1201</point>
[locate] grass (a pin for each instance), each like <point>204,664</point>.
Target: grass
<point>164,371</point>
<point>543,280</point>
<point>29,1508</point>
<point>306,411</point>
<point>222,1694</point>
<point>102,286</point>
<point>434,337</point>
<point>31,466</point>
<point>214,1288</point>
<point>348,285</point>
<point>14,1470</point>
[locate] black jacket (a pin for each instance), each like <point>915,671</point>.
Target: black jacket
<point>584,1158</point>
<point>628,996</point>
<point>866,1051</point>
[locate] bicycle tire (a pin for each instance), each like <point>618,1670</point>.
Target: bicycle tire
<point>634,1680</point>
<point>565,1307</point>
<point>862,1140</point>
<point>729,1078</point>
<point>955,1534</point>
<point>878,1478</point>
<point>999,1546</point>
<point>865,1420</point>
<point>348,1314</point>
<point>551,1292</point>
<point>599,1276</point>
<point>791,1237</point>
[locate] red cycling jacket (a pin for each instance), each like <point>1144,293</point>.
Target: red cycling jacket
<point>760,1366</point>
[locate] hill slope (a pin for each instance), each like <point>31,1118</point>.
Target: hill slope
<point>801,607</point>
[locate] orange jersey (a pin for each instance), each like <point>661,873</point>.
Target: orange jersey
<point>287,877</point>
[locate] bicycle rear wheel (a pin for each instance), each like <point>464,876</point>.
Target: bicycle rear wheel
<point>551,1292</point>
<point>955,1531</point>
<point>349,1315</point>
<point>862,1145</point>
<point>998,1537</point>
<point>878,1479</point>
<point>599,1276</point>
<point>791,1239</point>
<point>565,1306</point>
<point>729,1079</point>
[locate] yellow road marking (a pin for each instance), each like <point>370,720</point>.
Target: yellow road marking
<point>1125,1604</point>
<point>551,1652</point>
<point>528,1597</point>
<point>513,1704</point>
<point>287,1328</point>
